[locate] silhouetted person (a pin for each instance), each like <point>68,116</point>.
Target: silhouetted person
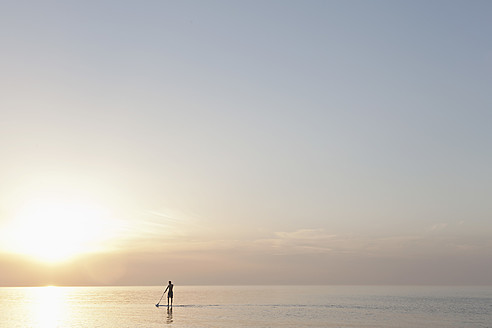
<point>170,293</point>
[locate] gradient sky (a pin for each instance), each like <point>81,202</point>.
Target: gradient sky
<point>247,142</point>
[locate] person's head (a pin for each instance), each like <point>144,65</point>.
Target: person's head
<point>169,281</point>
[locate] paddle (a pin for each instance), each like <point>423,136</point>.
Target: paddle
<point>157,305</point>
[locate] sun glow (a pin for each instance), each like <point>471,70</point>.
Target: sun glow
<point>53,231</point>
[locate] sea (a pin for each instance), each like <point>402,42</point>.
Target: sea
<point>247,306</point>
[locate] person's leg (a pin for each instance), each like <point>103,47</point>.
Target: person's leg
<point>171,302</point>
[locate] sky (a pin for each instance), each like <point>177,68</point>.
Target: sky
<point>245,142</point>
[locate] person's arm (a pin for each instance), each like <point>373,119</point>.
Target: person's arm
<point>166,288</point>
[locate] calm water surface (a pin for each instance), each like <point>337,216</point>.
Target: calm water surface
<point>264,306</point>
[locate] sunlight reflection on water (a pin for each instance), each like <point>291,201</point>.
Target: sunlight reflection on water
<point>49,301</point>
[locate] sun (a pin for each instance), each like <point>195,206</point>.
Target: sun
<point>56,230</point>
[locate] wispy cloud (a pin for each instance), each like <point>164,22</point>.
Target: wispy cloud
<point>315,241</point>
<point>159,230</point>
<point>437,227</point>
<point>152,229</point>
<point>298,242</point>
<point>305,234</point>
